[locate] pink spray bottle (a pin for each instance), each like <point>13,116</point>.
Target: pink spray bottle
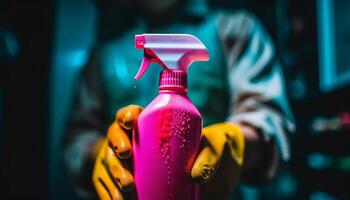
<point>167,137</point>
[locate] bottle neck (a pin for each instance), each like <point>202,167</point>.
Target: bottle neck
<point>173,80</point>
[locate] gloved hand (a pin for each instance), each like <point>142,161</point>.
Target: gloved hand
<point>222,154</point>
<point>111,174</point>
<point>220,161</point>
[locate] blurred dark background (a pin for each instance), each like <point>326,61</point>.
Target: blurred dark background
<point>45,44</point>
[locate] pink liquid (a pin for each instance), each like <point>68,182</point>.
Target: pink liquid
<point>165,145</point>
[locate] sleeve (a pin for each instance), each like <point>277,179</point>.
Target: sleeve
<point>85,127</point>
<point>256,82</point>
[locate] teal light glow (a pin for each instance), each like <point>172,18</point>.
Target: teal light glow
<point>74,38</point>
<point>319,161</point>
<point>333,46</point>
<point>326,43</point>
<point>320,195</point>
<point>287,185</point>
<point>75,58</point>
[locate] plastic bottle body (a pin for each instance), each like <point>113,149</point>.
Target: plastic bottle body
<point>165,146</point>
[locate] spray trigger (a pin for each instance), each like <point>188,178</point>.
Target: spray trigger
<point>144,66</point>
<point>170,51</point>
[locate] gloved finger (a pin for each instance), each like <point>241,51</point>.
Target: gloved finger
<point>127,116</point>
<point>229,135</point>
<point>224,181</point>
<point>234,140</point>
<point>102,191</point>
<point>205,165</point>
<point>118,171</point>
<point>119,140</point>
<point>105,187</point>
<point>208,159</point>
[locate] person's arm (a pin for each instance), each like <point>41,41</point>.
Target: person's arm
<point>259,102</point>
<point>85,127</point>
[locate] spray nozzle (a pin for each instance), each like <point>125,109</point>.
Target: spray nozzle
<point>171,51</point>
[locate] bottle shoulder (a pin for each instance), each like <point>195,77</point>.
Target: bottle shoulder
<point>171,101</point>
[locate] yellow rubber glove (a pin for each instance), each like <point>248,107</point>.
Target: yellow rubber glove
<point>111,174</point>
<point>220,161</point>
<point>221,154</point>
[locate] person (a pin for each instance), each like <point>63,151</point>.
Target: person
<point>240,93</point>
